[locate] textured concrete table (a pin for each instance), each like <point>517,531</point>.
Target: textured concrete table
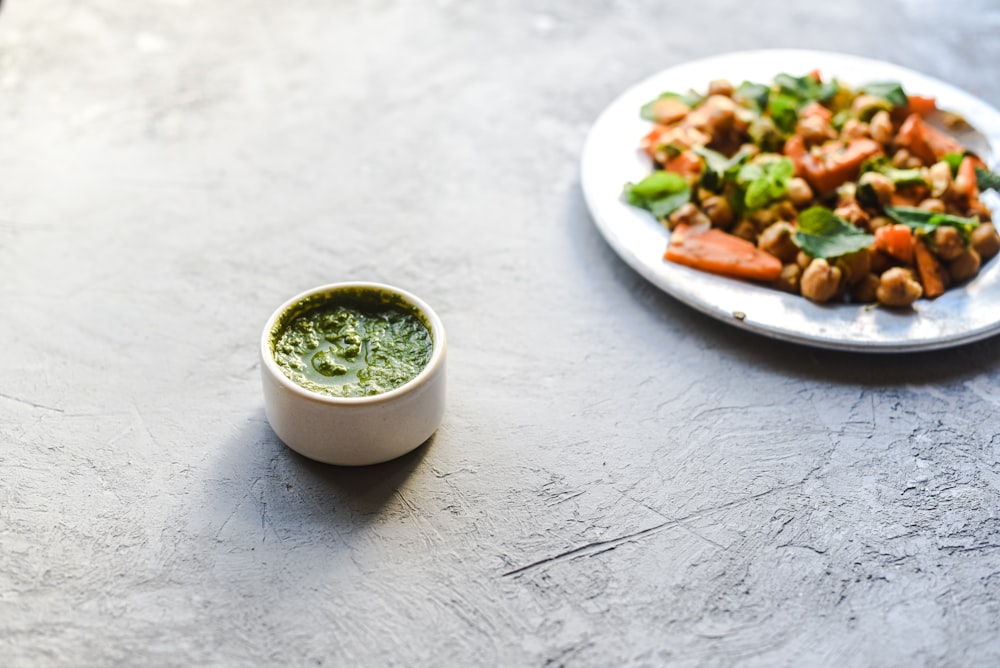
<point>618,480</point>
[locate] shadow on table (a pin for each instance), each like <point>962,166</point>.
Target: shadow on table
<point>294,493</point>
<point>365,488</point>
<point>601,266</point>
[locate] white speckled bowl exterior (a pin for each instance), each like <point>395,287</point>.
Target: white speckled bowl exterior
<point>355,431</point>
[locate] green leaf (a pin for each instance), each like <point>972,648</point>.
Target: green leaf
<point>718,168</point>
<point>987,180</point>
<point>784,111</point>
<point>781,171</point>
<point>925,222</point>
<point>822,233</point>
<point>750,172</point>
<point>805,88</point>
<point>765,182</point>
<point>714,160</point>
<point>758,194</point>
<point>755,93</point>
<point>887,90</point>
<point>661,193</point>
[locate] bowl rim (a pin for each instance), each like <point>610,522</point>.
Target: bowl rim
<point>438,344</point>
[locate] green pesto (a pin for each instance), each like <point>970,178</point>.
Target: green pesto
<point>351,343</point>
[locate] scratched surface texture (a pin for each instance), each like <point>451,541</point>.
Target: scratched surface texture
<point>618,480</point>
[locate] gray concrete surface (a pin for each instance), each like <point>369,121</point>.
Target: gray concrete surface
<point>618,480</point>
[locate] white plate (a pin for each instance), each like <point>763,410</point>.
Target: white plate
<point>611,158</point>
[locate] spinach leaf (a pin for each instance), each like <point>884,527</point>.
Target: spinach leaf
<point>765,182</point>
<point>784,111</point>
<point>987,180</point>
<point>805,88</point>
<point>822,233</point>
<point>887,90</point>
<point>718,168</point>
<point>755,93</point>
<point>925,222</point>
<point>788,94</point>
<point>661,193</point>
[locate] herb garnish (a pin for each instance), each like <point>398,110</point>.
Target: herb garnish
<point>822,233</point>
<point>661,193</point>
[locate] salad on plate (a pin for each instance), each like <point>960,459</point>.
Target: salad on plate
<point>833,192</point>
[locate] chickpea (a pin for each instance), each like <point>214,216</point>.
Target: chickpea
<point>865,289</point>
<point>820,281</point>
<point>985,240</point>
<point>932,204</point>
<point>799,191</point>
<point>718,210</point>
<point>948,243</point>
<point>815,130</point>
<point>745,230</point>
<point>903,159</point>
<point>864,103</point>
<point>721,87</point>
<point>881,184</point>
<point>854,129</point>
<point>965,266</point>
<point>939,176</point>
<point>788,279</point>
<point>803,259</point>
<point>763,218</point>
<point>897,288</point>
<point>847,192</point>
<point>716,115</point>
<point>777,240</point>
<point>785,210</point>
<point>881,127</point>
<point>688,214</point>
<point>853,213</point>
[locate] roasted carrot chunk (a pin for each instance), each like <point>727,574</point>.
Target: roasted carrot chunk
<point>895,240</point>
<point>815,110</point>
<point>711,249</point>
<point>921,104</point>
<point>925,141</point>
<point>965,180</point>
<point>929,269</point>
<point>827,170</point>
<point>687,163</point>
<point>652,138</point>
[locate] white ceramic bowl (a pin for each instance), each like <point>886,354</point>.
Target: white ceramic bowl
<point>354,431</point>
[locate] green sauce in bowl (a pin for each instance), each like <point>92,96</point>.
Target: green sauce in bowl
<point>351,344</point>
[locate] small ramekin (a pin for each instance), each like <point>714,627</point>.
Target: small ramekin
<point>354,431</point>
